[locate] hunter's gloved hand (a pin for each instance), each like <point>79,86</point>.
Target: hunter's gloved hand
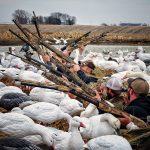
<point>125,119</point>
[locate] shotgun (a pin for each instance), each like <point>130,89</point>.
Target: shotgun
<point>74,42</point>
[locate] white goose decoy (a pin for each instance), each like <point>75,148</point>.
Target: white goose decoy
<point>143,56</point>
<point>71,106</point>
<point>93,55</point>
<point>141,64</point>
<point>58,136</point>
<point>74,141</point>
<point>32,76</point>
<point>77,56</point>
<point>137,74</point>
<point>62,139</point>
<point>126,50</point>
<point>10,89</point>
<point>128,66</point>
<point>120,57</point>
<point>104,124</point>
<point>101,62</point>
<point>4,62</point>
<point>47,95</point>
<point>19,125</point>
<point>10,57</point>
<point>130,57</point>
<point>108,142</point>
<point>107,64</point>
<point>10,72</point>
<point>31,68</point>
<point>44,112</point>
<point>17,63</point>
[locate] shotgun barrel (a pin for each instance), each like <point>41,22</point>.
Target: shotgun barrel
<point>35,21</point>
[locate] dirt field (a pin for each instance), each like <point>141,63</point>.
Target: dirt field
<point>117,35</point>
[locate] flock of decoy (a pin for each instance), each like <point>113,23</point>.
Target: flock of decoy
<point>23,125</point>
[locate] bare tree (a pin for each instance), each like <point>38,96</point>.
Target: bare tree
<point>22,16</point>
<point>57,18</point>
<point>104,24</point>
<point>40,19</point>
<point>71,20</point>
<point>64,18</point>
<point>52,20</point>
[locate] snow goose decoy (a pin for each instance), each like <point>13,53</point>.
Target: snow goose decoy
<point>13,143</point>
<point>105,64</point>
<point>108,142</point>
<point>137,75</point>
<point>74,141</point>
<point>71,106</point>
<point>128,66</point>
<point>120,57</point>
<point>47,95</point>
<point>58,136</point>
<point>104,124</point>
<point>93,55</point>
<point>19,125</point>
<point>141,64</point>
<point>11,73</point>
<point>4,62</point>
<point>44,112</point>
<point>142,56</point>
<point>17,63</point>
<point>32,76</point>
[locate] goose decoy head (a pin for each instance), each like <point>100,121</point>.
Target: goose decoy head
<point>77,123</point>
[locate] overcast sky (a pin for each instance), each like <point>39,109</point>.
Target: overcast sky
<point>90,12</point>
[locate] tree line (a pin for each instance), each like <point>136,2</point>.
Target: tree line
<point>56,18</point>
<point>126,24</point>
